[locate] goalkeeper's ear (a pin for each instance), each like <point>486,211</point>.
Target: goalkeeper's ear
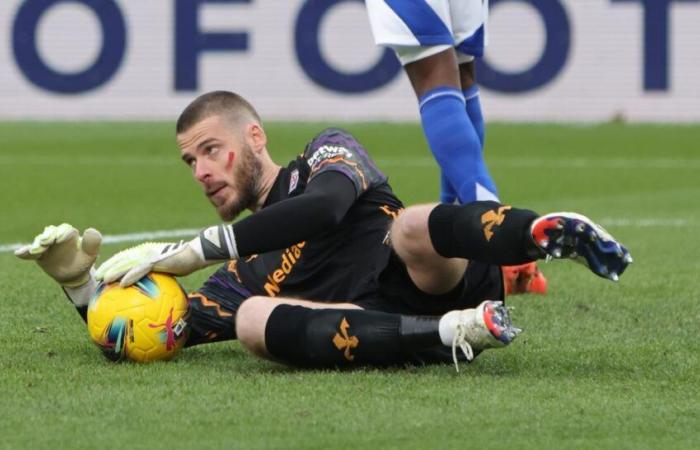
<point>91,241</point>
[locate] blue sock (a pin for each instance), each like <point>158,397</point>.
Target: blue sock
<point>452,139</point>
<point>471,96</point>
<point>447,193</point>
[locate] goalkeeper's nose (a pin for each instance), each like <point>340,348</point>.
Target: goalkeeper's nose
<point>202,172</point>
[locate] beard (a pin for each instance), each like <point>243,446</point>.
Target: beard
<point>246,185</point>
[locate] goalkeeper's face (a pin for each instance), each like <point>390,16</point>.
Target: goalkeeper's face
<point>224,164</point>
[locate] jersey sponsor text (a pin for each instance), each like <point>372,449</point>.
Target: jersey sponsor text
<point>289,258</point>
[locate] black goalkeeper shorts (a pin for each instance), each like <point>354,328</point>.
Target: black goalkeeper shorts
<point>396,292</point>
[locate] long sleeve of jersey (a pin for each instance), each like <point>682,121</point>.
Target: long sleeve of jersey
<point>324,203</point>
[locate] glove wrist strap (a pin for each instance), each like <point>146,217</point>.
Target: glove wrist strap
<point>81,295</point>
<point>217,243</point>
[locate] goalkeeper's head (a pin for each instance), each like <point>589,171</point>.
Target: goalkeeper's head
<point>222,140</point>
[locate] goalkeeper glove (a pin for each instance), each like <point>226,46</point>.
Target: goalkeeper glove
<point>66,257</point>
<point>213,245</point>
<point>63,254</point>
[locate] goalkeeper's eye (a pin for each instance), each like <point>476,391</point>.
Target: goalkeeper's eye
<point>211,150</point>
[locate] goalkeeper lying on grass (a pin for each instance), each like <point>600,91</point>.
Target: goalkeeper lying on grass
<point>330,269</point>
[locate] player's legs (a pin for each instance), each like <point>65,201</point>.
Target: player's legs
<point>435,241</point>
<point>307,333</point>
<point>467,74</point>
<point>436,274</point>
<point>448,194</point>
<point>431,272</point>
<point>310,334</point>
<point>448,129</point>
<point>518,279</point>
<point>430,72</point>
<point>467,81</point>
<point>253,315</point>
<point>422,35</point>
<point>486,187</point>
<point>437,235</point>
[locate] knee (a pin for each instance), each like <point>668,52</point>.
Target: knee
<point>409,232</point>
<point>251,319</point>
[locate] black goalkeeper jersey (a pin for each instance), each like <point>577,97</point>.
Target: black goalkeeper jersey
<point>341,262</point>
<point>351,261</point>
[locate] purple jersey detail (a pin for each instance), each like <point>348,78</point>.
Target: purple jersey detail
<point>227,282</point>
<point>336,149</point>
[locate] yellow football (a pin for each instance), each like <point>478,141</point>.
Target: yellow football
<point>143,322</point>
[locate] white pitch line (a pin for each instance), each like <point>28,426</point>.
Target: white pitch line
<point>129,237</point>
<point>191,232</point>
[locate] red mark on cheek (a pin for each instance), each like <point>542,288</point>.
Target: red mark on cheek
<point>231,157</point>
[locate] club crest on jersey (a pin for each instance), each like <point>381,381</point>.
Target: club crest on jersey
<point>293,180</point>
<point>325,152</point>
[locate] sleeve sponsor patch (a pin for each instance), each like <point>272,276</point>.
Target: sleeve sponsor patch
<point>326,152</point>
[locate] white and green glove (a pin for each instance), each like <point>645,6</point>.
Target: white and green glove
<point>66,257</point>
<point>212,246</point>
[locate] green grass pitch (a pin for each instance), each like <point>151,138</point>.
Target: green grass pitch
<point>600,365</point>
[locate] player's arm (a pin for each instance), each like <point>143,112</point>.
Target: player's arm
<point>326,200</point>
<point>68,258</point>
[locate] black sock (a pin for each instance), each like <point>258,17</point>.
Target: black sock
<point>484,231</point>
<point>340,337</point>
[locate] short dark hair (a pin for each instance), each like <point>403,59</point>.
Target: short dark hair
<point>214,103</point>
